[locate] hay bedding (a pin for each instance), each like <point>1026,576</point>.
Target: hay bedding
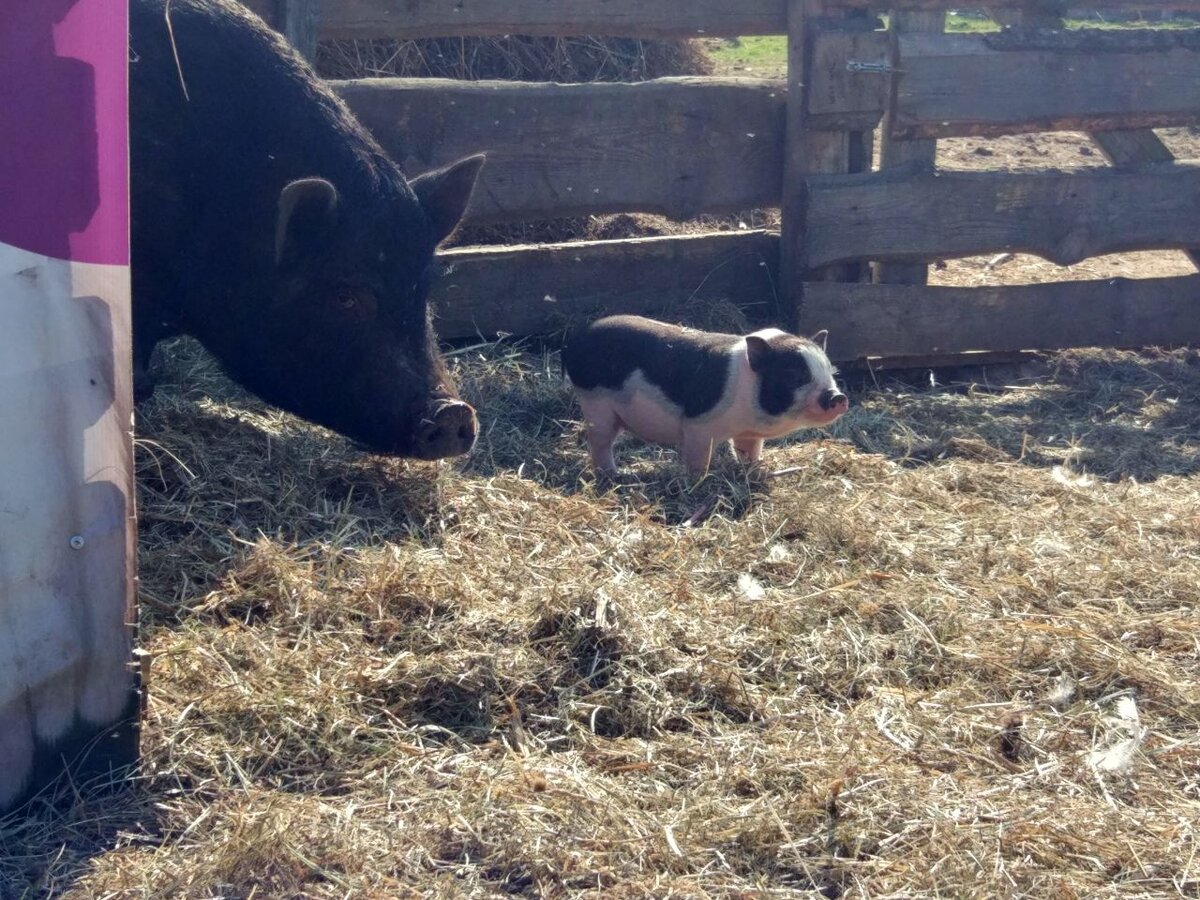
<point>954,653</point>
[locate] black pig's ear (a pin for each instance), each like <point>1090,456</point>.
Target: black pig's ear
<point>821,337</point>
<point>307,211</point>
<point>444,193</point>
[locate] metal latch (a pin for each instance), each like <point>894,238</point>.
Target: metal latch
<point>877,68</point>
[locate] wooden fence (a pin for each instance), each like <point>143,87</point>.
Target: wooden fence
<point>852,250</point>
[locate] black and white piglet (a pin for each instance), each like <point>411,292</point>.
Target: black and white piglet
<point>694,389</point>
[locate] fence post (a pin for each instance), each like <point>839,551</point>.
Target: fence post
<point>296,20</point>
<point>807,152</point>
<point>893,153</point>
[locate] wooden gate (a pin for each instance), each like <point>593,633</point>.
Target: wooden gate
<point>855,239</point>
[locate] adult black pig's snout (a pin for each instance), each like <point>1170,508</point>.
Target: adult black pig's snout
<point>447,429</point>
<point>834,399</point>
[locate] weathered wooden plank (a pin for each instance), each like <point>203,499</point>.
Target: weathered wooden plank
<point>972,358</point>
<point>1140,147</point>
<point>1132,147</point>
<point>808,150</point>
<point>1040,81</point>
<point>894,152</point>
<point>363,19</point>
<point>562,18</point>
<point>801,150</point>
<point>297,21</point>
<point>1052,7</point>
<point>540,289</point>
<point>849,79</point>
<point>892,320</point>
<point>677,146</point>
<point>960,84</point>
<point>1062,217</point>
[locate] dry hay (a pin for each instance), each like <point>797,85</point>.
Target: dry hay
<point>514,58</point>
<point>953,653</point>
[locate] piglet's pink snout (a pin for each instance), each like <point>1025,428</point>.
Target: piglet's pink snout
<point>827,407</point>
<point>834,401</point>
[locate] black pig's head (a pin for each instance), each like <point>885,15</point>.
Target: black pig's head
<point>348,331</point>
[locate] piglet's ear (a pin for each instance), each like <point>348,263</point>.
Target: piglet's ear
<point>756,350</point>
<point>445,193</point>
<point>307,213</point>
<point>821,337</point>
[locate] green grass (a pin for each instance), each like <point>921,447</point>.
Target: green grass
<point>1170,25</point>
<point>764,57</point>
<point>957,23</point>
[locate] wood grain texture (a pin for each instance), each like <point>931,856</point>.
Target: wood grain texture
<point>910,321</point>
<point>980,85</point>
<point>841,95</point>
<point>360,19</point>
<point>296,20</point>
<point>1061,217</point>
<point>802,154</point>
<point>363,19</point>
<point>895,151</point>
<point>807,150</point>
<point>676,146</point>
<point>1048,7</point>
<point>958,84</point>
<point>542,289</point>
<point>1122,148</point>
<point>1134,148</point>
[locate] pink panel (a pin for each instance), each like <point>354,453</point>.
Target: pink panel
<point>64,174</point>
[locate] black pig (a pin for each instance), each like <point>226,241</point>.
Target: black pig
<point>269,225</point>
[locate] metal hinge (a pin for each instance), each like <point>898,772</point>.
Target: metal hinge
<point>878,68</point>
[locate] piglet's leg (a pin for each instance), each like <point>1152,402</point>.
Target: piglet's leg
<point>748,449</point>
<point>603,426</point>
<point>697,452</point>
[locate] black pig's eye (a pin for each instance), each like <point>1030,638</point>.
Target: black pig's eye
<point>347,302</point>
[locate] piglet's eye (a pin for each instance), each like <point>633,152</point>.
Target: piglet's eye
<point>347,301</point>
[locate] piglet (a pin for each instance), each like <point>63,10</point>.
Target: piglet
<point>694,389</point>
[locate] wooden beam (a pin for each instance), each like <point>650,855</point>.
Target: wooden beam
<point>808,150</point>
<point>676,146</point>
<point>538,290</point>
<point>297,20</point>
<point>364,19</point>
<point>1023,80</point>
<point>1133,148</point>
<point>850,79</point>
<point>798,157</point>
<point>894,151</point>
<point>1053,7</point>
<point>1080,80</point>
<point>1062,217</point>
<point>915,321</point>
